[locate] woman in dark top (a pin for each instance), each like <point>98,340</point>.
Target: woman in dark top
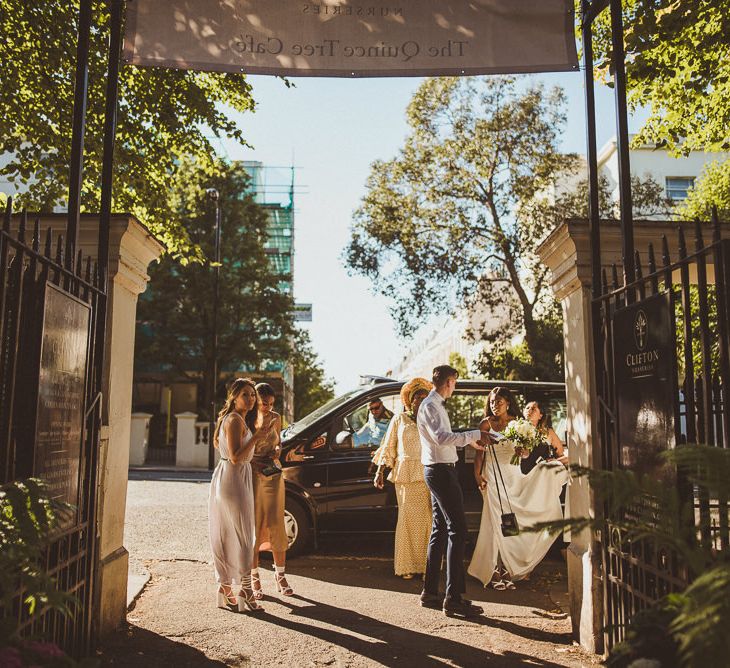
<point>551,447</point>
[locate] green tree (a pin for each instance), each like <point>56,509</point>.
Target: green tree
<point>712,188</point>
<point>175,316</point>
<point>677,67</point>
<point>457,216</point>
<point>440,224</point>
<point>653,514</point>
<point>312,388</point>
<point>164,114</point>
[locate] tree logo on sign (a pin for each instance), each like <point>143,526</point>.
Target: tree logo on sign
<point>641,330</point>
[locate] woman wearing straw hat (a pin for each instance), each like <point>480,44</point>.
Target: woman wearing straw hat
<point>401,452</point>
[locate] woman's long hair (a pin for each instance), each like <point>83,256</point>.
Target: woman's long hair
<point>512,407</point>
<point>233,391</point>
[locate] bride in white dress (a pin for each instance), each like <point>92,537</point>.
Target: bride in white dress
<point>533,498</point>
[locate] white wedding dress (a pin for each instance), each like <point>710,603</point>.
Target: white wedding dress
<point>533,498</point>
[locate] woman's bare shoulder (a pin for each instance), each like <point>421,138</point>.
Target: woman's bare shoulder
<point>486,423</point>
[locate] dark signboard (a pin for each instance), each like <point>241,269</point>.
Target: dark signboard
<point>60,416</point>
<point>644,351</point>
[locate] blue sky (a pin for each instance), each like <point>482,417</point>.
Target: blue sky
<point>331,130</point>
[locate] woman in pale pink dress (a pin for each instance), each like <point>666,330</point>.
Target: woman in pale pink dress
<point>231,516</point>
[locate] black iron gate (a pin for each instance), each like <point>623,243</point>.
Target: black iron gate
<point>50,406</point>
<point>696,284</point>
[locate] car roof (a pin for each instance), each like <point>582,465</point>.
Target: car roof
<point>381,387</point>
<point>472,384</point>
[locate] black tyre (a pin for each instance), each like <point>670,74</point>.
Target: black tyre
<point>298,527</point>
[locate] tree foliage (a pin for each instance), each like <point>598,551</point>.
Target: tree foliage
<point>175,316</point>
<point>28,515</point>
<point>677,66</point>
<point>712,188</point>
<point>457,216</point>
<point>164,114</point>
<point>312,388</point>
<point>437,225</point>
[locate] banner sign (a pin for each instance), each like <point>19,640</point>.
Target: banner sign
<point>360,38</point>
<point>644,354</point>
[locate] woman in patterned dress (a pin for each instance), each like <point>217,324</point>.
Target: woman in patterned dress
<point>401,452</point>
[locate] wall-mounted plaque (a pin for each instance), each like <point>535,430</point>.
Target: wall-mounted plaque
<point>644,351</point>
<point>60,416</point>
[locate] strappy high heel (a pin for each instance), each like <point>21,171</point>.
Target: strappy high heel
<point>282,586</point>
<point>258,592</point>
<point>498,584</point>
<point>227,601</point>
<point>247,601</point>
<point>507,579</point>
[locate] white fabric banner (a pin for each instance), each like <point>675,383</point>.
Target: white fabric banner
<point>344,38</point>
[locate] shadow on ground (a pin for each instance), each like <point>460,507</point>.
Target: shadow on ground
<point>394,644</point>
<point>135,647</point>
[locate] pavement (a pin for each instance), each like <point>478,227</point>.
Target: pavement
<point>348,608</point>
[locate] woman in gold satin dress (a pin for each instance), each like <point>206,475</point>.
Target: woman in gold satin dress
<point>400,451</point>
<point>268,490</point>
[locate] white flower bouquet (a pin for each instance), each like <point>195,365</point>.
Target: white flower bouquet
<point>523,434</point>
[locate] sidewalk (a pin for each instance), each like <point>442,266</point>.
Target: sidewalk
<point>349,608</point>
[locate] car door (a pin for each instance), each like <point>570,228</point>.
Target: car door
<point>305,470</point>
<point>354,504</point>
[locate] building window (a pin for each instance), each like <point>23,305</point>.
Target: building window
<point>677,187</point>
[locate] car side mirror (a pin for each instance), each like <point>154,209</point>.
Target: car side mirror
<point>342,436</point>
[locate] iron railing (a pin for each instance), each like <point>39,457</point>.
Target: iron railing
<point>638,574</point>
<point>31,263</point>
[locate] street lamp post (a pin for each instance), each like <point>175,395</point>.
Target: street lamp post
<point>214,196</point>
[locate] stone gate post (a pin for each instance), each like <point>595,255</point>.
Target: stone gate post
<point>567,254</point>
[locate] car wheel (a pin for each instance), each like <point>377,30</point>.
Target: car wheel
<point>298,527</point>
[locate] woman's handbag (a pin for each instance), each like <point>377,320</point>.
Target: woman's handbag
<point>508,524</point>
<point>270,469</point>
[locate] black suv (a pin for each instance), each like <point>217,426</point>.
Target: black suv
<point>327,465</point>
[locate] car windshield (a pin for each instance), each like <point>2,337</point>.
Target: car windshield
<point>304,422</point>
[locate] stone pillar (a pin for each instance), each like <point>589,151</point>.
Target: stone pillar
<point>132,249</point>
<point>139,438</point>
<point>569,261</point>
<point>188,452</point>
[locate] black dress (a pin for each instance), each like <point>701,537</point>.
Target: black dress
<point>528,463</point>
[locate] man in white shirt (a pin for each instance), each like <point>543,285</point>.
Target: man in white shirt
<point>448,532</point>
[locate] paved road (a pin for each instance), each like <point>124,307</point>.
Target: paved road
<point>349,608</point>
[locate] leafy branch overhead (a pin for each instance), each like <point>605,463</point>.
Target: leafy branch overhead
<point>163,115</point>
<point>677,67</point>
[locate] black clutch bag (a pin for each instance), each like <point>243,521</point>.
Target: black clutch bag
<point>509,525</point>
<point>270,469</point>
<point>508,521</point>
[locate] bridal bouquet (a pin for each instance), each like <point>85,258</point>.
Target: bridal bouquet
<point>523,434</point>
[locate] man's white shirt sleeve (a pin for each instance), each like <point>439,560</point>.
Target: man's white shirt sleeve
<point>439,428</point>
